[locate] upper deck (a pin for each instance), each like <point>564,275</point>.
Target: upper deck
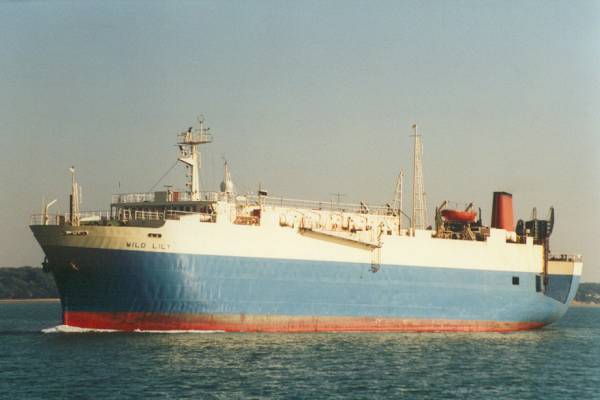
<point>161,205</point>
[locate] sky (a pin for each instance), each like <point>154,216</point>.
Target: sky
<point>306,98</point>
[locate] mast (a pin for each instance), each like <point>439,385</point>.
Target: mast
<point>74,199</point>
<point>189,154</point>
<point>418,201</point>
<point>398,198</point>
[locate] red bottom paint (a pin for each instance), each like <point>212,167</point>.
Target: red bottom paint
<point>130,321</point>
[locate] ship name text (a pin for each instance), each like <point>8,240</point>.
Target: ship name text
<point>144,245</point>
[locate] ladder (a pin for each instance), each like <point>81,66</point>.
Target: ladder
<point>376,251</point>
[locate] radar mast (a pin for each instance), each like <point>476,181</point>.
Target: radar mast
<point>189,155</point>
<point>419,212</point>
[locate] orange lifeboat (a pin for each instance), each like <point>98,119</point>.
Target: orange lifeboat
<point>459,216</point>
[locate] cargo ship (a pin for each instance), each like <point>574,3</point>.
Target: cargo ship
<point>223,261</point>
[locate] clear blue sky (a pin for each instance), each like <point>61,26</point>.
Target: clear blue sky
<point>308,98</point>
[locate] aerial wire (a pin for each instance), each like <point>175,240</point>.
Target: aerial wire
<point>162,177</point>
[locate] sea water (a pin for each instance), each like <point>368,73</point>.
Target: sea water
<point>39,359</point>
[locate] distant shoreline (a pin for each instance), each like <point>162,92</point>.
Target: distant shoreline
<point>25,301</point>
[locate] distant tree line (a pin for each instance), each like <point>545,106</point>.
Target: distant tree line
<point>588,293</point>
<point>26,283</point>
<point>33,283</point>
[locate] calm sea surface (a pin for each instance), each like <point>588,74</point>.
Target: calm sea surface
<point>561,361</point>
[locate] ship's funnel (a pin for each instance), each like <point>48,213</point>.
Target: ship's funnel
<point>502,211</point>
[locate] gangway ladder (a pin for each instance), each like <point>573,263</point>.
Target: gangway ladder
<point>376,251</point>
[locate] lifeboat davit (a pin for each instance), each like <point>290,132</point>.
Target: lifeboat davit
<point>459,216</point>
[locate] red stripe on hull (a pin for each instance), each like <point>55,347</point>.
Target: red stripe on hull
<point>130,321</point>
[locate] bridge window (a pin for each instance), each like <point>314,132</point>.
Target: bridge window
<point>515,280</point>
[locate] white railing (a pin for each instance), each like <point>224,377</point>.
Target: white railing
<point>319,205</point>
<point>148,215</point>
<point>204,217</point>
<point>195,137</point>
<point>38,219</point>
<point>167,214</point>
<point>133,197</point>
<point>170,197</point>
<point>56,219</point>
<point>566,257</point>
<point>138,215</point>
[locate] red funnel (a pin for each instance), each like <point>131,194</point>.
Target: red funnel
<point>502,211</point>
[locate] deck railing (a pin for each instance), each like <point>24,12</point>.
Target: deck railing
<point>148,215</point>
<point>320,205</point>
<point>167,214</point>
<point>173,197</point>
<point>565,257</point>
<point>133,197</point>
<point>57,219</point>
<point>169,197</point>
<point>97,216</point>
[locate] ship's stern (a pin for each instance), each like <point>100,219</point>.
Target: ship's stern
<point>563,277</point>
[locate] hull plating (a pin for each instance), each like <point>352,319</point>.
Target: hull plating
<point>123,321</point>
<point>128,290</point>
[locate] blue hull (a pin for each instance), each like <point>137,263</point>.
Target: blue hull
<point>139,286</point>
